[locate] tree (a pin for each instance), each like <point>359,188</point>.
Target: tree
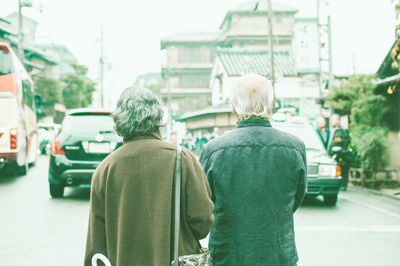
<point>77,88</point>
<point>368,131</point>
<point>366,110</point>
<point>49,89</point>
<point>343,97</point>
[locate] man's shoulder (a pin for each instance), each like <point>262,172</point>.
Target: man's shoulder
<point>266,136</point>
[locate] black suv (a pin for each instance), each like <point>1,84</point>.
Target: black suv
<point>85,139</point>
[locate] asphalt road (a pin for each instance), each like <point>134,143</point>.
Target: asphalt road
<point>363,229</point>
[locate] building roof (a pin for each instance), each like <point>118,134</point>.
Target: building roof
<point>26,19</point>
<point>238,62</point>
<point>260,7</point>
<point>185,37</point>
<point>385,69</point>
<point>224,108</point>
<point>257,5</point>
<point>5,27</point>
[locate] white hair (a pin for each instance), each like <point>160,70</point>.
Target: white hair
<point>252,95</point>
<point>138,112</point>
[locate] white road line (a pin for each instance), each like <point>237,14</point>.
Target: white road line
<point>377,229</point>
<point>371,207</point>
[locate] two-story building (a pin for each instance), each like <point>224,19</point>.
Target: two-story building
<point>190,56</point>
<point>187,68</point>
<point>192,59</point>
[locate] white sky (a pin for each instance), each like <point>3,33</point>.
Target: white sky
<point>133,29</point>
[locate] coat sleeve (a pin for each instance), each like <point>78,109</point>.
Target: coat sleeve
<point>302,181</point>
<point>96,237</point>
<point>206,164</point>
<point>199,207</point>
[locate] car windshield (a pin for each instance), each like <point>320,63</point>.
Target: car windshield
<point>306,134</point>
<point>88,124</point>
<point>6,65</point>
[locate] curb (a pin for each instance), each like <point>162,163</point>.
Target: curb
<point>372,191</point>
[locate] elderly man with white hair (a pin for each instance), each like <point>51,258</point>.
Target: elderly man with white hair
<point>257,175</point>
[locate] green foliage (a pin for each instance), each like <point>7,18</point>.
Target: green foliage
<point>343,97</point>
<point>370,144</point>
<point>366,110</point>
<point>49,89</point>
<point>369,110</point>
<point>368,131</point>
<point>77,89</point>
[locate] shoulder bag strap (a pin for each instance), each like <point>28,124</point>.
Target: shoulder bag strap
<point>177,201</point>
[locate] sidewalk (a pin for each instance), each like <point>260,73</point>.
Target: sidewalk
<point>393,193</point>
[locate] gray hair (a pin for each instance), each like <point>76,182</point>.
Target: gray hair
<point>138,112</point>
<point>252,95</point>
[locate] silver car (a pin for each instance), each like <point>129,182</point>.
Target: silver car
<point>323,173</point>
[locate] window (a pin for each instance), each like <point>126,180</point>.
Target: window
<point>194,81</point>
<point>6,65</point>
<point>27,94</point>
<point>194,54</point>
<point>98,123</point>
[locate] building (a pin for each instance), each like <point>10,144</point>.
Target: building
<point>247,26</point>
<point>388,85</point>
<point>151,81</point>
<point>190,57</point>
<point>232,63</point>
<point>186,72</point>
<point>62,55</point>
<point>29,27</point>
<point>5,31</point>
<point>35,61</point>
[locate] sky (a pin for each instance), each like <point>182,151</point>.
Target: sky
<point>362,31</point>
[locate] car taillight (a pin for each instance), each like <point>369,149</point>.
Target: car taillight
<point>338,170</point>
<point>13,138</point>
<point>56,147</point>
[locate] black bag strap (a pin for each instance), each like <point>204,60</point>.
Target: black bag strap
<point>177,203</point>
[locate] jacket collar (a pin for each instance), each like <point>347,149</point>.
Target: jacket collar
<point>149,135</point>
<point>254,123</point>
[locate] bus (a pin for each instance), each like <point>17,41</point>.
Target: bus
<point>18,128</point>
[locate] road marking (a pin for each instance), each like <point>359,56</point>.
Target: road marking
<point>378,229</point>
<point>371,207</point>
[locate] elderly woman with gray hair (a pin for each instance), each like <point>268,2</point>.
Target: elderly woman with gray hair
<point>257,175</point>
<point>131,191</point>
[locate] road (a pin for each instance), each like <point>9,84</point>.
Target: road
<point>36,230</point>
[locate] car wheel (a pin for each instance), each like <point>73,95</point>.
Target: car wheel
<point>56,191</point>
<point>330,199</point>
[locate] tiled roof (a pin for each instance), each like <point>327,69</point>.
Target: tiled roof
<point>239,62</point>
<point>260,5</point>
<point>224,108</point>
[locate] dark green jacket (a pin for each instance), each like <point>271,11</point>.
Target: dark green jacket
<point>130,204</point>
<point>258,178</point>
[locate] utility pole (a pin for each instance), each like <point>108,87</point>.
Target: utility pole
<point>271,45</point>
<point>20,37</point>
<point>101,68</point>
<point>330,55</point>
<point>319,49</point>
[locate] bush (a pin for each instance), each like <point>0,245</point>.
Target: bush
<point>366,110</point>
<point>370,144</point>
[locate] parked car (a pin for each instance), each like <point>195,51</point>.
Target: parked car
<point>86,137</point>
<point>323,173</point>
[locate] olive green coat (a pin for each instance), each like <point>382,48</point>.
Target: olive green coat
<point>130,204</point>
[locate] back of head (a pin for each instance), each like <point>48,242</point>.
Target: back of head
<point>252,95</point>
<point>138,112</point>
